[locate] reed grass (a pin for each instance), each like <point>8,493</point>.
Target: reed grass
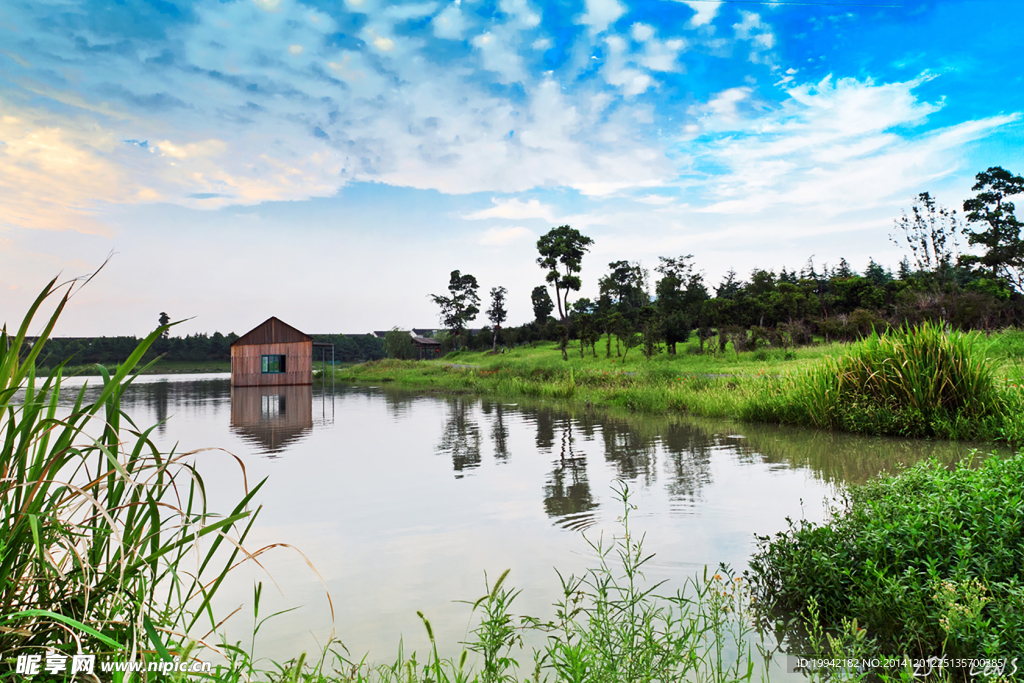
<point>99,531</point>
<point>920,381</point>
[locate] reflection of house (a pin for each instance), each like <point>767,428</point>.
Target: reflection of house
<point>272,417</point>
<point>272,354</point>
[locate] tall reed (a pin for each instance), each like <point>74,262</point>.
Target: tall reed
<point>99,531</point>
<point>914,381</point>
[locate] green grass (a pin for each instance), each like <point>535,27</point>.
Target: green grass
<point>929,561</point>
<point>918,383</point>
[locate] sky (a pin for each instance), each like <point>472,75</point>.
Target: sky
<point>330,162</point>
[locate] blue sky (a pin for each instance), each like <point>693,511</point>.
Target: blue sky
<point>331,162</point>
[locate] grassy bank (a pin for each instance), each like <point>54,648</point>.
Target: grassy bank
<point>949,385</point>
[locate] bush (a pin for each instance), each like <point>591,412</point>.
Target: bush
<point>928,561</point>
<point>914,381</point>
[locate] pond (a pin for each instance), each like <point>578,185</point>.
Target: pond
<point>401,501</point>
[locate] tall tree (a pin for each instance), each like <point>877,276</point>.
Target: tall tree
<point>930,232</point>
<point>462,306</point>
<point>679,294</point>
<point>561,253</point>
<point>164,319</point>
<point>626,286</point>
<point>1004,255</point>
<point>729,287</point>
<point>542,304</point>
<point>497,313</point>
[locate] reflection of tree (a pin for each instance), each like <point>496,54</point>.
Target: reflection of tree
<point>158,400</point>
<point>162,397</point>
<point>689,460</point>
<point>398,403</point>
<point>545,421</point>
<point>567,494</point>
<point>632,451</point>
<point>499,431</point>
<point>461,436</point>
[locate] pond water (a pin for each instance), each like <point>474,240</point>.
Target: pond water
<point>402,501</point>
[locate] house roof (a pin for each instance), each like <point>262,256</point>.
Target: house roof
<point>271,331</point>
<point>425,341</point>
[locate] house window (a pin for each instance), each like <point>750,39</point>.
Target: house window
<point>273,364</point>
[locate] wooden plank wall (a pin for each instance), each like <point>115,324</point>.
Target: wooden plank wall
<point>246,364</point>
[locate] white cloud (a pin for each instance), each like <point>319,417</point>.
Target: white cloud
<point>601,14</point>
<point>641,32</point>
<point>449,23</point>
<point>268,5</point>
<point>519,10</point>
<point>662,55</point>
<point>758,33</point>
<point>382,42</point>
<point>515,209</point>
<point>832,147</point>
<point>410,11</point>
<point>498,56</point>
<point>722,111</point>
<point>705,12</point>
<point>499,237</point>
<point>617,72</point>
<point>655,199</point>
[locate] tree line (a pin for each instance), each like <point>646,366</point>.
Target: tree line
<point>935,281</point>
<point>196,348</point>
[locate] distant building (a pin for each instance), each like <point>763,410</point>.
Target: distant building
<point>428,332</point>
<point>426,348</point>
<point>272,354</point>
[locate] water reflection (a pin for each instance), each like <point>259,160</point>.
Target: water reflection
<point>460,438</point>
<point>272,418</point>
<point>164,397</point>
<point>499,430</point>
<point>633,452</point>
<point>567,496</point>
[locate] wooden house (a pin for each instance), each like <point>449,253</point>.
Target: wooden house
<point>272,354</point>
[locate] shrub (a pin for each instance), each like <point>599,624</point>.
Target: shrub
<point>928,561</point>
